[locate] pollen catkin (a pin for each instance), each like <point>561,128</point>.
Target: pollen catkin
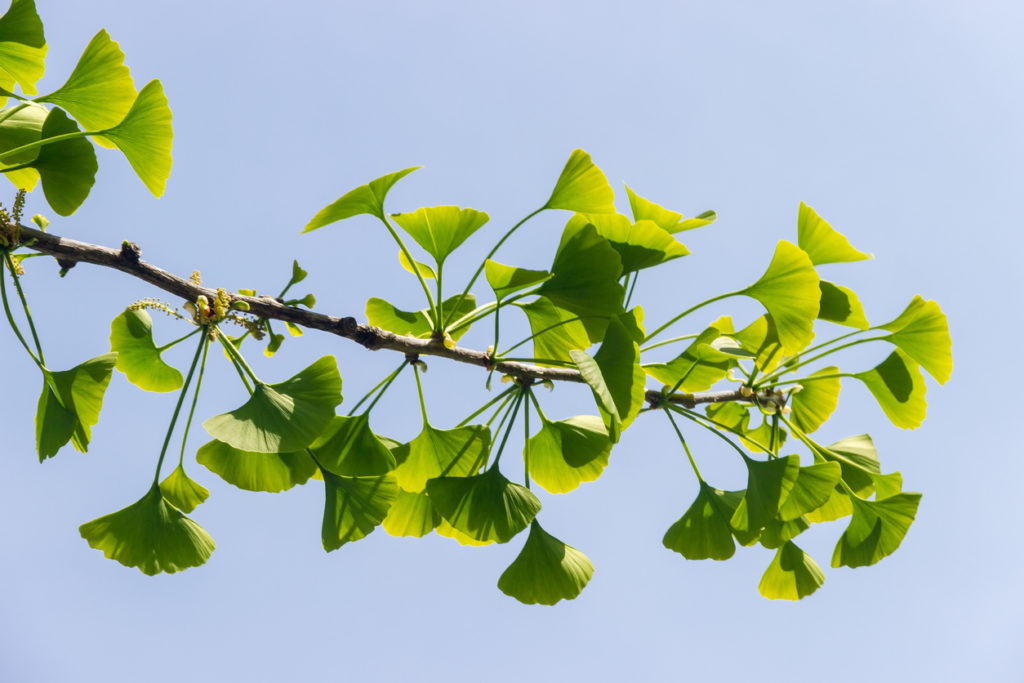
<point>154,305</point>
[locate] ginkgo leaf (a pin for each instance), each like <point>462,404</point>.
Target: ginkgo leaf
<point>100,91</point>
<point>566,453</point>
<point>415,266</point>
<point>150,535</point>
<point>792,575</point>
<point>776,532</point>
<point>557,331</point>
<point>790,292</point>
<point>70,403</point>
<point>354,507</point>
<point>703,532</point>
<point>922,332</point>
<point>619,361</point>
<point>365,199</point>
<point>131,337</point>
<point>347,446</point>
<point>768,484</point>
<point>145,135</point>
<point>22,126</point>
<point>887,484</point>
<point>546,570</point>
<point>697,368</point>
<point>898,386</point>
<point>68,167</point>
<point>841,306</point>
<point>446,530</point>
<point>762,339</point>
<point>271,472</point>
<point>582,187</point>
<point>411,514</point>
<point>22,45</point>
<point>441,229</point>
<point>181,492</point>
<point>822,242</point>
<point>640,245</point>
<point>858,459</point>
<point>283,417</point>
<point>384,315</point>
<point>816,400</point>
<point>876,529</point>
<point>812,489</point>
<point>735,417</point>
<point>505,280</point>
<point>434,452</point>
<point>485,507</point>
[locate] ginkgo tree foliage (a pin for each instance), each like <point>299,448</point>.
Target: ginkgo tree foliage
<point>764,387</point>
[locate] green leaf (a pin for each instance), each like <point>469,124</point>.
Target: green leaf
<point>485,507</point>
<point>898,386</point>
<point>446,530</point>
<point>566,453</point>
<point>21,128</point>
<point>546,570</point>
<point>735,418</point>
<point>412,514</point>
<point>365,199</point>
<point>790,292</point>
<point>425,271</point>
<point>816,400</point>
<point>768,484</point>
<point>150,535</point>
<point>841,306</point>
<point>22,46</point>
<point>145,135</point>
<point>348,447</point>
<point>762,339</point>
<point>100,91</point>
<point>792,575</point>
<point>441,229</point>
<point>615,376</point>
<point>131,337</point>
<point>181,492</point>
<point>271,472</point>
<point>555,336</point>
<point>813,487</point>
<point>382,314</point>
<point>283,417</point>
<point>505,280</point>
<point>354,506</point>
<point>70,404</point>
<point>703,532</point>
<point>67,168</point>
<point>922,332</point>
<point>585,278</point>
<point>455,452</point>
<point>858,459</point>
<point>887,485</point>
<point>670,221</point>
<point>298,274</point>
<point>777,532</point>
<point>822,243</point>
<point>582,187</point>
<point>640,245</point>
<point>876,529</point>
<point>698,367</point>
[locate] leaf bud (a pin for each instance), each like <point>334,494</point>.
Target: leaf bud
<point>746,391</point>
<point>41,221</point>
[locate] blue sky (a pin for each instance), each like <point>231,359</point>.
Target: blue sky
<point>898,121</point>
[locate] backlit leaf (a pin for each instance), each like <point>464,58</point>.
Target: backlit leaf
<point>566,453</point>
<point>382,314</point>
<point>546,570</point>
<point>822,242</point>
<point>768,484</point>
<point>348,447</point>
<point>792,575</point>
<point>145,135</point>
<point>703,532</point>
<point>697,368</point>
<point>762,339</point>
<point>441,229</point>
<point>790,292</point>
<point>181,492</point>
<point>640,245</point>
<point>131,337</point>
<point>582,187</point>
<point>22,45</point>
<point>70,405</point>
<point>455,452</point>
<point>898,386</point>
<point>271,472</point>
<point>505,280</point>
<point>411,514</point>
<point>922,333</point>
<point>841,306</point>
<point>813,487</point>
<point>876,529</point>
<point>776,532</point>
<point>424,270</point>
<point>485,507</point>
<point>557,331</point>
<point>354,507</point>
<point>816,400</point>
<point>67,168</point>
<point>365,199</point>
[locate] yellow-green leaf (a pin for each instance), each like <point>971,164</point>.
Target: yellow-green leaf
<point>822,242</point>
<point>582,187</point>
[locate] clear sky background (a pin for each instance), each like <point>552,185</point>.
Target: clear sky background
<point>900,122</point>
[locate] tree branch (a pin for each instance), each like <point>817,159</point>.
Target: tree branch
<point>68,252</point>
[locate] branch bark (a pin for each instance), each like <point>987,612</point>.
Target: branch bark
<point>69,252</point>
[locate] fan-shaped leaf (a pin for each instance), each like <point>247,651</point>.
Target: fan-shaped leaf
<point>424,270</point>
<point>412,514</point>
<point>792,575</point>
<point>22,127</point>
<point>505,280</point>
<point>485,507</point>
<point>768,484</point>
<point>100,91</point>
<point>703,532</point>
<point>145,135</point>
<point>271,472</point>
<point>858,459</point>
<point>813,487</point>
<point>382,314</point>
<point>640,245</point>
<point>557,331</point>
<point>67,168</point>
<point>433,453</point>
<point>697,368</point>
<point>365,199</point>
<point>150,535</point>
<point>70,404</point>
<point>841,306</point>
<point>546,570</point>
<point>776,531</point>
<point>441,229</point>
<point>22,46</point>
<point>348,447</point>
<point>669,221</point>
<point>566,453</point>
<point>615,376</point>
<point>790,292</point>
<point>898,386</point>
<point>876,529</point>
<point>354,506</point>
<point>181,492</point>
<point>582,187</point>
<point>762,339</point>
<point>822,242</point>
<point>283,417</point>
<point>922,333</point>
<point>131,337</point>
<point>816,400</point>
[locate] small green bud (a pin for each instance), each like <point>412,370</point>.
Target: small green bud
<point>41,221</point>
